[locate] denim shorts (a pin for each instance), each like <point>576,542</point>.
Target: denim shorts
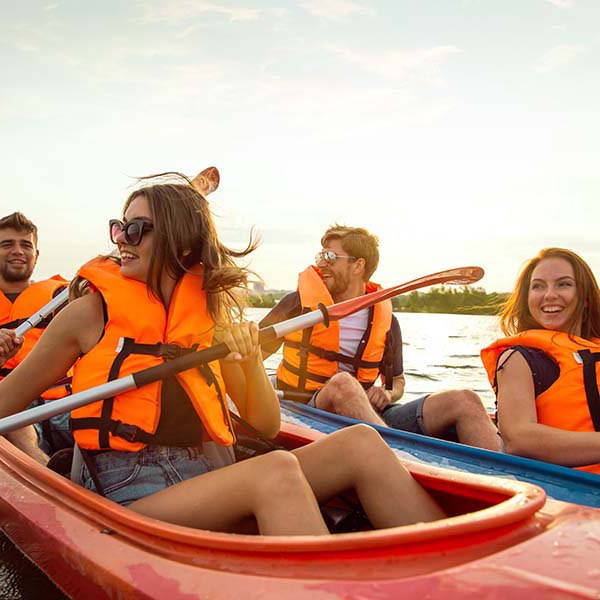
<point>409,417</point>
<point>55,433</point>
<point>129,476</point>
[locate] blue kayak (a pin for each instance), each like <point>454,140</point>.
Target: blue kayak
<point>562,483</point>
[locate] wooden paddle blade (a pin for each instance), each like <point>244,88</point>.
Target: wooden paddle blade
<point>207,181</point>
<point>460,276</point>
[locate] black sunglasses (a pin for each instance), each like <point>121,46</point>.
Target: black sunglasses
<point>133,231</point>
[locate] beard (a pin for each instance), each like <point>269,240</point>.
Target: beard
<point>338,283</point>
<point>11,275</point>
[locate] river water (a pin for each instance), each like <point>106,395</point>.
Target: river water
<point>440,352</point>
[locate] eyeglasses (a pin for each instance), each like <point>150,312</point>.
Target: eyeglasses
<point>133,231</point>
<point>329,256</point>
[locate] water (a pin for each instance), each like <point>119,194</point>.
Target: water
<point>440,352</point>
<point>20,579</point>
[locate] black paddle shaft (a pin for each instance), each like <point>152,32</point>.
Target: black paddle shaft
<point>193,359</point>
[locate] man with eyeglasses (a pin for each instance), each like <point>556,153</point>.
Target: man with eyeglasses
<point>337,368</point>
<point>19,299</point>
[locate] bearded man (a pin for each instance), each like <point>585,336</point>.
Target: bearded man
<point>339,367</point>
<point>19,299</point>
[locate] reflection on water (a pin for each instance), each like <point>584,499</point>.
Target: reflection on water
<point>440,352</point>
<point>19,579</point>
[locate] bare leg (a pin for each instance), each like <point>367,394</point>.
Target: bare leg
<point>344,395</point>
<point>464,410</point>
<point>270,487</point>
<point>26,439</point>
<point>358,458</point>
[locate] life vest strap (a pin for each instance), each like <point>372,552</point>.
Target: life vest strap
<point>590,382</point>
<point>210,378</point>
<point>128,346</point>
<point>4,371</point>
<point>332,356</point>
<point>130,433</point>
<point>308,375</point>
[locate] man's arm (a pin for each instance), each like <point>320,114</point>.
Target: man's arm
<point>286,308</point>
<point>379,397</point>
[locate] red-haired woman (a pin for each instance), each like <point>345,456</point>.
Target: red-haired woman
<point>545,372</point>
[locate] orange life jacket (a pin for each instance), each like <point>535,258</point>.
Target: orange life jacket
<point>572,402</point>
<point>12,314</point>
<point>311,356</point>
<point>139,334</point>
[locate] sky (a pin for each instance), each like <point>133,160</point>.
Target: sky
<point>459,131</point>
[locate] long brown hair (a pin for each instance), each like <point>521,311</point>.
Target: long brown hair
<point>185,235</point>
<point>515,316</point>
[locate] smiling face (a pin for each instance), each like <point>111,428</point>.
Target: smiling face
<point>552,296</point>
<point>18,255</point>
<point>341,276</point>
<point>135,260</point>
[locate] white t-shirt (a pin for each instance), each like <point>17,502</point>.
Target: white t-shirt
<point>352,329</point>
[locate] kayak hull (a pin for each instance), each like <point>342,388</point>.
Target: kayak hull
<point>513,544</point>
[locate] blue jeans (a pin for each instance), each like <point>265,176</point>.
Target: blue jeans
<point>129,476</point>
<point>55,433</point>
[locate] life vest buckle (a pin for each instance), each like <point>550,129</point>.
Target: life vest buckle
<point>122,430</point>
<point>172,351</point>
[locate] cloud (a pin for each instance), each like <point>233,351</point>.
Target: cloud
<point>557,57</point>
<point>176,12</point>
<point>399,64</point>
<point>336,9</point>
<point>562,3</point>
<point>29,37</point>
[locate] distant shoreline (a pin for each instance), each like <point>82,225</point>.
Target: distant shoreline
<point>446,300</point>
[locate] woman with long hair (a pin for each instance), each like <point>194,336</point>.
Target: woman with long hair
<point>545,372</point>
<point>175,286</point>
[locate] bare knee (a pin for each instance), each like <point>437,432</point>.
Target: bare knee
<point>280,477</point>
<point>361,441</point>
<point>455,403</point>
<point>469,402</point>
<point>342,391</point>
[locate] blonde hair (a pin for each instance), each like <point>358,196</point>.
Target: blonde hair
<point>356,242</point>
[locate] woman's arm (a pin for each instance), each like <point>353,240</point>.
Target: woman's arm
<point>246,380</point>
<point>518,424</point>
<point>74,331</point>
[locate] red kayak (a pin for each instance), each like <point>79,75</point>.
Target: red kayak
<point>505,539</point>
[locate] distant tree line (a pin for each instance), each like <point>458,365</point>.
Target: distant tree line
<point>266,300</point>
<point>462,300</point>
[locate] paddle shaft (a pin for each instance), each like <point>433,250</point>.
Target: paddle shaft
<point>149,375</point>
<point>41,314</point>
<point>322,315</point>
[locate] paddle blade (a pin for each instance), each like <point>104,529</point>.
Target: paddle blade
<point>207,181</point>
<point>458,276</point>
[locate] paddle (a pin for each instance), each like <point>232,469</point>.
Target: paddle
<point>324,314</point>
<point>41,314</point>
